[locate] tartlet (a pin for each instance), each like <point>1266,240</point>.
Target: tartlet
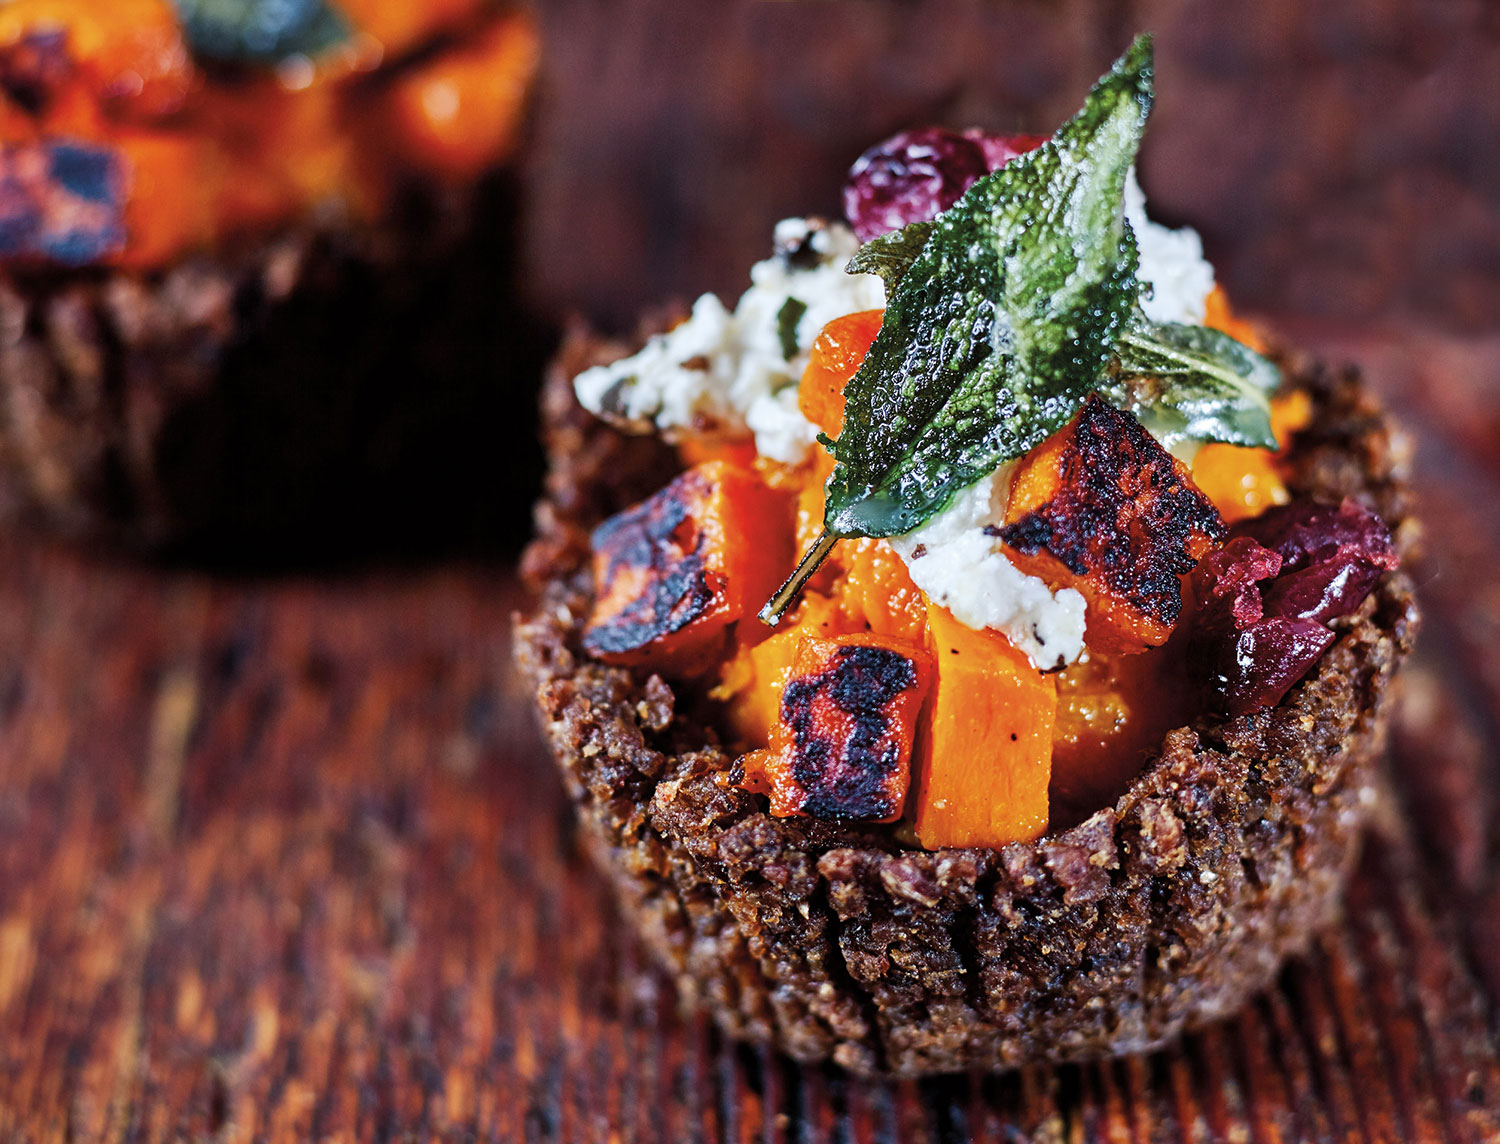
<point>863,937</point>
<point>262,321</point>
<point>1162,912</point>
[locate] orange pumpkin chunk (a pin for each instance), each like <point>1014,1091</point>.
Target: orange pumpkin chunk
<point>455,114</point>
<point>841,748</point>
<point>836,357</point>
<point>1112,712</point>
<point>1101,507</point>
<point>984,758</point>
<point>672,573</point>
<point>1245,482</point>
<point>751,681</point>
<point>1241,482</point>
<point>1219,315</point>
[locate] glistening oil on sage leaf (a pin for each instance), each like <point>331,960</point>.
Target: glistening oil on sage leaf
<point>1004,313</point>
<point>1192,383</point>
<point>998,329</point>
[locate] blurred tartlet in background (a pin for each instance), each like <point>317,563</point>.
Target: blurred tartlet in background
<point>255,269</point>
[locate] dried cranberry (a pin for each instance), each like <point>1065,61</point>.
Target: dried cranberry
<point>1001,149</point>
<point>1225,582</point>
<point>1322,592</point>
<point>1261,663</point>
<point>910,177</point>
<point>1265,598</point>
<point>917,174</point>
<point>1307,534</point>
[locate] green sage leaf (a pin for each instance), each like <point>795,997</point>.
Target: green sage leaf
<point>786,325</point>
<point>1003,323</point>
<point>262,32</point>
<point>1193,383</point>
<point>891,255</point>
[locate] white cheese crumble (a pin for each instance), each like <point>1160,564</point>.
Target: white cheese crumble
<point>728,371</point>
<point>1178,279</point>
<point>956,564</point>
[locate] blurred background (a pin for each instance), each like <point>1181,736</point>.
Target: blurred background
<point>1340,157</point>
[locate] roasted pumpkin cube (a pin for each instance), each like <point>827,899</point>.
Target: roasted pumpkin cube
<point>452,113</point>
<point>672,573</point>
<point>1101,507</point>
<point>1112,713</point>
<point>837,353</point>
<point>841,748</point>
<point>984,754</point>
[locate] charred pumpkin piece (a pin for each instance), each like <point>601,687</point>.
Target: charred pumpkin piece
<point>1101,507</point>
<point>984,757</point>
<point>672,573</point>
<point>841,747</point>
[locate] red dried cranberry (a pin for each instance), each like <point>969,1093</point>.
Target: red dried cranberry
<point>1261,663</point>
<point>910,177</point>
<point>1307,534</point>
<point>917,174</point>
<point>1225,582</point>
<point>1322,592</point>
<point>1265,597</point>
<point>1001,149</point>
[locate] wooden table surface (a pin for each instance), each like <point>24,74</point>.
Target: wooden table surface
<point>285,860</point>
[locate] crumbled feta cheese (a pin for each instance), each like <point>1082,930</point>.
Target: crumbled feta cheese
<point>781,432</point>
<point>956,564</point>
<point>1177,276</point>
<point>729,371</point>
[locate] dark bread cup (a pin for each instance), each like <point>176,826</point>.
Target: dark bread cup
<point>258,277</point>
<point>836,943</point>
<point>328,390</point>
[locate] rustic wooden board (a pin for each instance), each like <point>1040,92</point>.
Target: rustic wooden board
<point>284,860</point>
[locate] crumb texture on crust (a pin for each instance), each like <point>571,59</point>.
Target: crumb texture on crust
<point>1159,913</point>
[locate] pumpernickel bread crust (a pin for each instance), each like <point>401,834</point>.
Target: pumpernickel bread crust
<point>1160,913</point>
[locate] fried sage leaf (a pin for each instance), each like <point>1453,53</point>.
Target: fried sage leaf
<point>1002,325</point>
<point>263,32</point>
<point>892,255</point>
<point>786,325</point>
<point>998,329</point>
<point>1193,383</point>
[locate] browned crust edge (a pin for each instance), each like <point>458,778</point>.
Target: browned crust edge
<point>1163,912</point>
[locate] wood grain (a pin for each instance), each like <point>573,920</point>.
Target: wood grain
<point>284,860</point>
